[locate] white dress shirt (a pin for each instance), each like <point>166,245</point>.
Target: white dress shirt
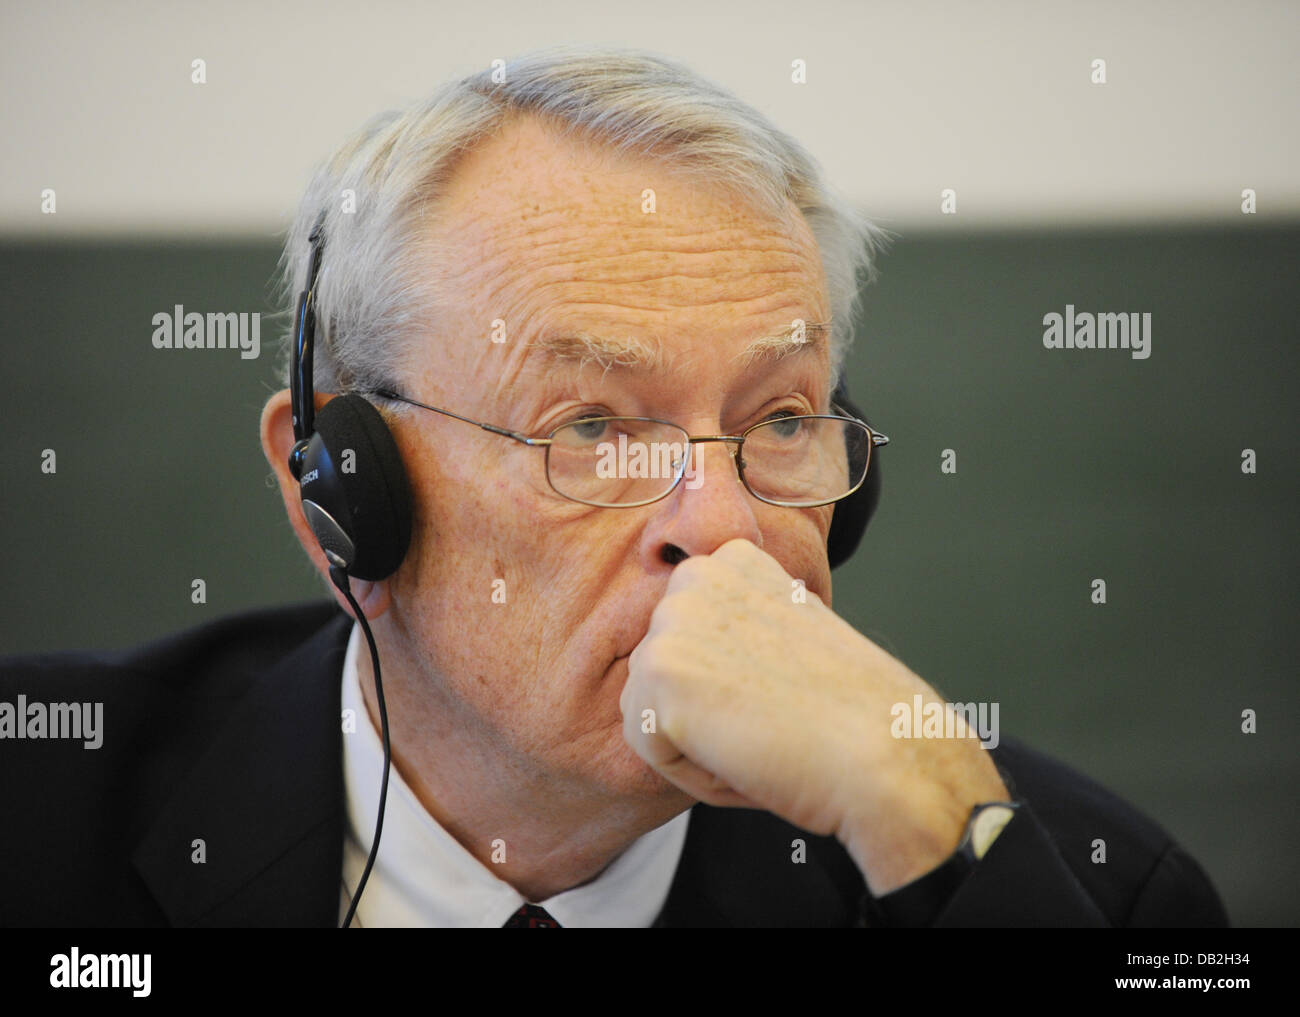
<point>423,877</point>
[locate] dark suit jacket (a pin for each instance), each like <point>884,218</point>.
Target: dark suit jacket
<point>231,734</point>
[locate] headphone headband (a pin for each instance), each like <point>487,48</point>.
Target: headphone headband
<point>302,388</point>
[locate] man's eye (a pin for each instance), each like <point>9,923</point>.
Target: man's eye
<point>778,429</point>
<point>589,427</point>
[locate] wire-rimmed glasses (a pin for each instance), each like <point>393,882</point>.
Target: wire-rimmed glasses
<point>792,460</point>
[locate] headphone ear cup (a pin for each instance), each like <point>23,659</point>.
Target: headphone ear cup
<point>852,515</point>
<point>354,488</point>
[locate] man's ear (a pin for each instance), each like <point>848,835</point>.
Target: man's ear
<point>277,442</point>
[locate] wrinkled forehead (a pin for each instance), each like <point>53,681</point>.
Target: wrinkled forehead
<point>565,250</point>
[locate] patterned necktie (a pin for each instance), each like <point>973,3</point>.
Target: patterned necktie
<point>530,916</point>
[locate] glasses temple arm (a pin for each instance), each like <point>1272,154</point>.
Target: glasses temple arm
<point>385,393</point>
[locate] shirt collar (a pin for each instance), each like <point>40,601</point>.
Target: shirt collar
<point>422,875</point>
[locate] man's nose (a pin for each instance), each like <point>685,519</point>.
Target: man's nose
<point>710,507</point>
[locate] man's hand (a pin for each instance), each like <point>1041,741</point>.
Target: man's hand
<point>762,697</point>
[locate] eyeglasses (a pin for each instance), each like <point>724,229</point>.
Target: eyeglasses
<point>796,461</point>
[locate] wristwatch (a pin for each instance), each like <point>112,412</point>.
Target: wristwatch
<point>920,902</point>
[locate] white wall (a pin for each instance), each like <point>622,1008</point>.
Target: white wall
<point>903,99</point>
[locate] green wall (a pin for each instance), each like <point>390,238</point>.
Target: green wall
<point>1071,465</point>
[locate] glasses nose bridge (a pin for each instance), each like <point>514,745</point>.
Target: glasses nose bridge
<point>734,441</point>
<point>704,439</point>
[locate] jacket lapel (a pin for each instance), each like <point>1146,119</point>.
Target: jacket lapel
<point>266,801</point>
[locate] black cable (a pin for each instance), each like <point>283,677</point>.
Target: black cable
<point>340,579</point>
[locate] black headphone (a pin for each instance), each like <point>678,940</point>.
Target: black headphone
<point>362,516</point>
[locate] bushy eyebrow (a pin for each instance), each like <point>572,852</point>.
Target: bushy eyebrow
<point>644,356</point>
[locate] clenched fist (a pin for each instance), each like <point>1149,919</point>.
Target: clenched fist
<point>747,690</point>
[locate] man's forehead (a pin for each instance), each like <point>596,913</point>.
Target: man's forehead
<point>577,255</point>
<point>529,185</point>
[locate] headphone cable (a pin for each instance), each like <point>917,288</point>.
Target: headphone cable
<point>340,579</point>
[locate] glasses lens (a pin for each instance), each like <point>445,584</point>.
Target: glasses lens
<point>616,461</point>
<point>804,461</point>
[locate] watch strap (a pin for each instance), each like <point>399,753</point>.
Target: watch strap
<point>918,904</point>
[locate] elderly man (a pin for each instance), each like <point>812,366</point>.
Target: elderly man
<point>615,696</point>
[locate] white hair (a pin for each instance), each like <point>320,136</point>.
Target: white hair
<point>374,284</point>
